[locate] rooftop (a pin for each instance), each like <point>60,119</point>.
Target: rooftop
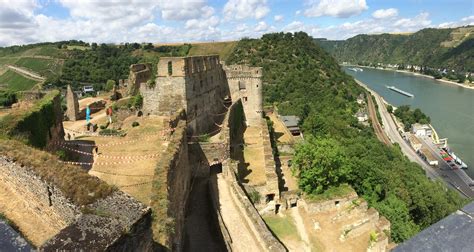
<point>290,121</point>
<point>453,233</point>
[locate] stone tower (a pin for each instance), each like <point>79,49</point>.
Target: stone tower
<point>72,104</point>
<point>246,83</point>
<point>196,84</point>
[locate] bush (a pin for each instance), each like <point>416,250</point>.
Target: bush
<point>255,196</point>
<point>61,154</point>
<point>135,124</point>
<point>109,85</point>
<point>7,98</point>
<point>135,102</point>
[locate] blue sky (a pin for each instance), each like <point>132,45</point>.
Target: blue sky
<point>117,21</point>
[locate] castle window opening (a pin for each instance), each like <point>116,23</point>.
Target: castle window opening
<point>241,85</point>
<point>170,68</point>
<point>269,197</point>
<point>336,202</point>
<point>245,98</point>
<point>277,208</point>
<point>200,82</point>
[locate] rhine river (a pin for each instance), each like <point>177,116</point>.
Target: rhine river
<point>451,108</point>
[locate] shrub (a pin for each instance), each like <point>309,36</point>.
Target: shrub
<point>135,124</point>
<point>255,196</point>
<point>109,85</point>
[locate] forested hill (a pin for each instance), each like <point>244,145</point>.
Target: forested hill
<point>304,80</point>
<point>451,48</point>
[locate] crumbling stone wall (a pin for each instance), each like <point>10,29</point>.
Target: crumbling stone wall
<point>116,223</point>
<point>246,83</point>
<point>44,199</point>
<point>195,84</point>
<point>171,188</point>
<point>72,103</point>
<point>139,75</point>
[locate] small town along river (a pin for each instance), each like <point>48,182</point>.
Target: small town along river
<point>450,107</point>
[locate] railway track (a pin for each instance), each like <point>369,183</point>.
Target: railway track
<point>375,122</point>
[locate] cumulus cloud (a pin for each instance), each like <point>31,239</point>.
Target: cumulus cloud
<point>278,18</point>
<point>184,9</point>
<point>463,22</point>
<point>241,9</point>
<point>335,8</point>
<point>364,26</point>
<point>385,13</point>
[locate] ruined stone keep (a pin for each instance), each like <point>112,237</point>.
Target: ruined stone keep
<point>200,85</point>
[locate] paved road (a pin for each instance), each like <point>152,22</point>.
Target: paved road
<point>450,177</point>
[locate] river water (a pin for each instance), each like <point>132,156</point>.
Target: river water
<point>450,107</point>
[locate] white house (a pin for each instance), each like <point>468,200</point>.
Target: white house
<point>421,130</point>
<point>362,116</point>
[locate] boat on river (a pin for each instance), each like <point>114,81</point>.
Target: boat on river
<point>400,91</point>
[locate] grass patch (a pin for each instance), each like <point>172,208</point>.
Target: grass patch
<point>44,67</point>
<point>224,49</point>
<point>16,82</point>
<point>282,226</point>
<point>331,193</point>
<point>51,51</point>
<point>78,47</point>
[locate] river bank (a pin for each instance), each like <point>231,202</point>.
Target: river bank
<point>417,74</point>
<point>456,179</point>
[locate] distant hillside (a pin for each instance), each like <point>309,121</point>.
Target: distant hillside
<point>302,79</point>
<point>224,49</point>
<point>451,48</point>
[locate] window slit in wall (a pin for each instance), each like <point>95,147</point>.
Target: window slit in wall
<point>170,68</point>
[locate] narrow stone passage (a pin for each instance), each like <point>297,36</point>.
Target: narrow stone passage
<point>202,229</point>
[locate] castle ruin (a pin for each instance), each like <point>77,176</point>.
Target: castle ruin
<point>72,104</point>
<point>201,85</point>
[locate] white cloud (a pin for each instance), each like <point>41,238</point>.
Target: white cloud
<point>385,13</point>
<point>209,23</point>
<point>335,8</point>
<point>278,18</point>
<point>364,26</point>
<point>261,26</point>
<point>463,22</point>
<point>184,9</point>
<point>241,9</point>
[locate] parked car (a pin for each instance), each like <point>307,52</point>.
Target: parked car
<point>88,89</point>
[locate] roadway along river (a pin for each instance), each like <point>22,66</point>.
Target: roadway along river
<point>450,107</point>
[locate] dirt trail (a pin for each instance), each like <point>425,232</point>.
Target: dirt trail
<point>241,234</point>
<point>295,213</point>
<point>26,73</point>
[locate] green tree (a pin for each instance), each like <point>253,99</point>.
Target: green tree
<point>321,163</point>
<point>389,108</point>
<point>402,226</point>
<point>109,85</point>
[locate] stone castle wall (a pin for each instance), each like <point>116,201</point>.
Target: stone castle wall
<point>117,222</point>
<point>139,75</point>
<point>246,83</point>
<point>169,199</point>
<point>44,199</point>
<point>196,84</point>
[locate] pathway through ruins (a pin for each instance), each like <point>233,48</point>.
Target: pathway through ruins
<point>202,227</point>
<point>234,219</point>
<point>300,227</point>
